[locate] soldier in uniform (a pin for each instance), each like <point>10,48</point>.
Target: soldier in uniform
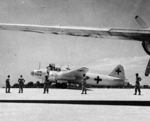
<point>137,84</point>
<point>21,83</point>
<point>46,84</point>
<point>8,84</point>
<point>84,84</point>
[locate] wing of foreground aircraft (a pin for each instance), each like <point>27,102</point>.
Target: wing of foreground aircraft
<point>128,34</point>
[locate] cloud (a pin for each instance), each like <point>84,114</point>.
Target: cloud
<point>127,62</point>
<point>132,65</point>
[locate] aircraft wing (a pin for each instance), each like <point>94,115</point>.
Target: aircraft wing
<point>78,72</point>
<point>129,34</point>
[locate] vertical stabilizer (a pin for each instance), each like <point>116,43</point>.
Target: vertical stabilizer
<point>118,72</point>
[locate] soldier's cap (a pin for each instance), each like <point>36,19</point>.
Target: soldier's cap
<point>20,75</point>
<point>8,75</point>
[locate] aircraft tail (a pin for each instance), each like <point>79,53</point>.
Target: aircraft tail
<point>118,72</point>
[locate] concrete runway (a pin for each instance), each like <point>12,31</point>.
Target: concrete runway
<point>49,109</point>
<point>70,96</point>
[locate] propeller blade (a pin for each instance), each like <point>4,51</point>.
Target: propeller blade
<point>39,65</point>
<point>141,22</point>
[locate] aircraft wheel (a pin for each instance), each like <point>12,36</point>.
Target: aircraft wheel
<point>64,85</point>
<point>58,85</point>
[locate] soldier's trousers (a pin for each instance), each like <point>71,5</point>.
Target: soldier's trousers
<point>7,88</point>
<point>46,88</point>
<point>137,88</point>
<point>20,88</point>
<point>83,90</point>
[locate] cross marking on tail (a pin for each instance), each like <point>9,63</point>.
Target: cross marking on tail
<point>97,79</point>
<point>118,70</point>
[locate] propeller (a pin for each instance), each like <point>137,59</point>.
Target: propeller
<point>141,22</point>
<point>68,68</point>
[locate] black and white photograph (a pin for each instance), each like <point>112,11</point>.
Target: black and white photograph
<point>74,60</point>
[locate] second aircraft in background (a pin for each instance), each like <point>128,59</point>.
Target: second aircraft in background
<point>62,78</point>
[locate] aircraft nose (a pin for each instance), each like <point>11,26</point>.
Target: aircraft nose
<point>32,73</point>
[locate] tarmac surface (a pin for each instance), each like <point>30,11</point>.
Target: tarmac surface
<point>72,96</point>
<point>69,104</point>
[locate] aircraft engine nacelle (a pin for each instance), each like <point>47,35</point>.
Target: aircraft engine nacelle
<point>52,76</point>
<point>146,46</point>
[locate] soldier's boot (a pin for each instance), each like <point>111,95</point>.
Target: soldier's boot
<point>134,93</point>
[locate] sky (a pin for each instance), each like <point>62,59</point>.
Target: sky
<point>21,52</point>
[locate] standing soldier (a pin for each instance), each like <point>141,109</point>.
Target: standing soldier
<point>46,84</point>
<point>8,84</point>
<point>21,84</point>
<point>84,84</point>
<point>137,84</point>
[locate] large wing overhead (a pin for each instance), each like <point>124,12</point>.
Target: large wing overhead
<point>134,34</point>
<point>65,30</point>
<point>139,35</point>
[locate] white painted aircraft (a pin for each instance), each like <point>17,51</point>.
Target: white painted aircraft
<point>61,78</point>
<point>120,33</point>
<point>115,78</point>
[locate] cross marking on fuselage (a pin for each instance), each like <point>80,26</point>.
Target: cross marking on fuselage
<point>118,70</point>
<point>97,79</point>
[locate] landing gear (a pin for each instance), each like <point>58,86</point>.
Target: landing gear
<point>63,85</point>
<point>57,85</point>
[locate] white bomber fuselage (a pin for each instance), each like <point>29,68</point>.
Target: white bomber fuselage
<point>94,79</point>
<point>103,80</point>
<point>115,78</point>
